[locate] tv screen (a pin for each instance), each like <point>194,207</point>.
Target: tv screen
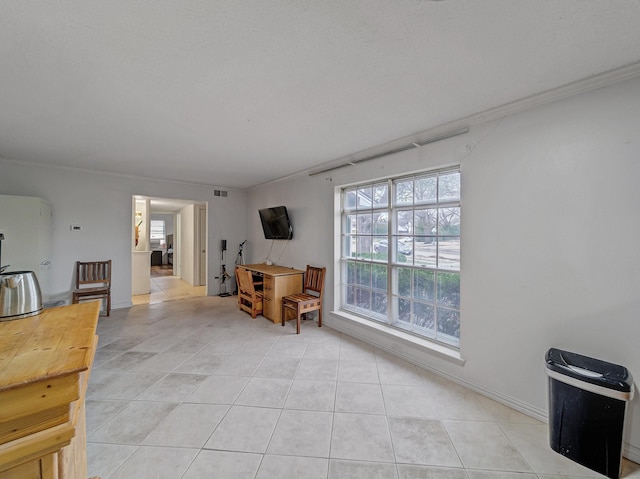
<point>275,223</point>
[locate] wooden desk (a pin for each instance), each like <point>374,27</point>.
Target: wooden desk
<point>44,370</point>
<point>278,282</point>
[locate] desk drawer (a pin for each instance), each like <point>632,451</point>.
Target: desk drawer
<point>269,286</point>
<point>269,306</point>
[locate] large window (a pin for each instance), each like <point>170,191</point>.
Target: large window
<point>401,253</point>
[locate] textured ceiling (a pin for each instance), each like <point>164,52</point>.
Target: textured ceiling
<point>237,93</point>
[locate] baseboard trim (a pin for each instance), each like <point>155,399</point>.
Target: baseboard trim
<point>392,345</point>
<point>415,355</point>
<point>122,305</point>
<point>631,452</point>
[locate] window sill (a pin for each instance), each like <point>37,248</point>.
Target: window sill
<point>440,350</point>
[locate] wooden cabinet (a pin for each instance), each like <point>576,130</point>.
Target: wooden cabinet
<point>278,282</point>
<point>44,369</point>
<point>156,258</point>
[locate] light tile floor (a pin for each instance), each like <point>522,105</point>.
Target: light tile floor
<point>195,389</point>
<point>168,288</point>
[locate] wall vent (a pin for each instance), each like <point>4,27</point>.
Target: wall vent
<point>222,193</point>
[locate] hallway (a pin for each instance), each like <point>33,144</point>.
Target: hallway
<point>166,287</point>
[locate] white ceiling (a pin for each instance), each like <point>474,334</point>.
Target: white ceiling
<point>237,93</point>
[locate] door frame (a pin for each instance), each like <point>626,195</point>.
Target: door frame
<point>201,244</point>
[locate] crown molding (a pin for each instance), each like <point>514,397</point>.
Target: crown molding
<point>584,85</point>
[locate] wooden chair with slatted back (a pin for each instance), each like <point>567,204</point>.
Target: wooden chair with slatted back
<point>309,300</point>
<point>249,297</point>
<point>93,281</point>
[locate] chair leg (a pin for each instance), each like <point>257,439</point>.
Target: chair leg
<point>283,314</point>
<point>320,318</point>
<point>108,304</point>
<point>298,322</point>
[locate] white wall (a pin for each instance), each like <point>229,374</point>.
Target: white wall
<point>550,228</point>
<point>101,203</point>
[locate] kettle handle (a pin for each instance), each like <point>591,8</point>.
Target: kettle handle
<point>12,281</point>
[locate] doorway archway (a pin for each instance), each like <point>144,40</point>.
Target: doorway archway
<point>170,250</point>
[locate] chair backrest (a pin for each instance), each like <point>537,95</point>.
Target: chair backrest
<point>93,272</point>
<point>314,280</point>
<point>245,281</point>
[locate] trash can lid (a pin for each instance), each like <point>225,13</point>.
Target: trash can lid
<point>589,370</point>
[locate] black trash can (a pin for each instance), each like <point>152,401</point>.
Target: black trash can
<point>587,403</point>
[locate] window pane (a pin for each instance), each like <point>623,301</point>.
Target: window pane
<point>379,303</point>
<point>349,246</point>
<point>424,285</point>
<point>449,253</point>
<point>350,199</point>
<point>403,249</point>
<point>156,230</point>
<point>363,298</point>
<point>426,189</point>
<point>425,316</point>
<point>448,323</point>
<point>403,286</point>
<point>351,272</point>
<point>425,221</point>
<point>364,223</point>
<point>404,192</point>
<point>363,274</point>
<point>449,221</point>
<point>402,313</point>
<point>404,222</point>
<point>379,277</point>
<point>380,195</point>
<point>349,295</point>
<point>405,245</point>
<point>449,289</point>
<point>381,248</point>
<point>363,247</point>
<point>380,224</point>
<point>449,186</point>
<point>364,198</point>
<point>425,251</point>
<point>350,224</point>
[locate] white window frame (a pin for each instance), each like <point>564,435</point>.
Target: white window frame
<point>368,249</point>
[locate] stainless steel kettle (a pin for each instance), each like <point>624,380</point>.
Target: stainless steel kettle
<point>20,295</point>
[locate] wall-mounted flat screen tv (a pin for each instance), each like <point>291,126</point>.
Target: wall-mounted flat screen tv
<point>275,223</point>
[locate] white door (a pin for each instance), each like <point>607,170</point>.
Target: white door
<point>202,244</point>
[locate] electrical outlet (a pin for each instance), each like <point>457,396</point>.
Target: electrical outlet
<point>76,228</point>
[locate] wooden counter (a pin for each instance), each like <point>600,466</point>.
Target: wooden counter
<point>279,281</point>
<point>44,369</point>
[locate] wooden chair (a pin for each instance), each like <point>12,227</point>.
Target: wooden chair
<point>309,300</point>
<point>249,298</point>
<point>93,281</point>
